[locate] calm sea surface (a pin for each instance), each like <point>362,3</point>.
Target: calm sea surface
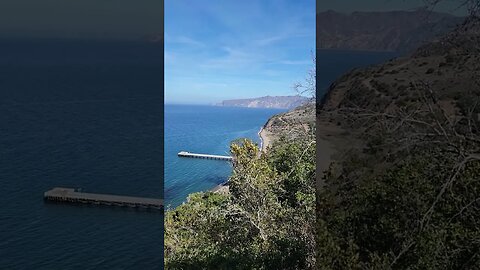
<point>206,130</point>
<point>87,115</point>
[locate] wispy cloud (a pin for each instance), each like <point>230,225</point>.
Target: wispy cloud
<point>183,40</point>
<point>271,40</point>
<point>295,62</point>
<point>234,58</point>
<point>285,35</point>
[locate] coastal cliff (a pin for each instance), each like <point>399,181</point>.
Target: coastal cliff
<point>294,124</point>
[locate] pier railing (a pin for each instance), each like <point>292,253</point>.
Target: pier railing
<point>205,156</point>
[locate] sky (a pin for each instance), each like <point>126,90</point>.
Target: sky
<point>97,19</point>
<point>228,49</point>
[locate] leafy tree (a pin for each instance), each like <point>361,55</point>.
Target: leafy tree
<point>265,222</point>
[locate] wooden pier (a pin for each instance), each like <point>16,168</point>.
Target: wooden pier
<point>70,195</point>
<point>192,155</point>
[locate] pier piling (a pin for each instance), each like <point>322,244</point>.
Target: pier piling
<point>69,195</point>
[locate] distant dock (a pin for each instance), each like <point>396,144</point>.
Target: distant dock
<point>69,195</point>
<point>192,155</point>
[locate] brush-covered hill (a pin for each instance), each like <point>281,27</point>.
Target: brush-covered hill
<point>449,68</point>
<point>403,190</point>
<point>298,123</point>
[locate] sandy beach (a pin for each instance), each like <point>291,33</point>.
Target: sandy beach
<point>222,188</point>
<point>265,139</point>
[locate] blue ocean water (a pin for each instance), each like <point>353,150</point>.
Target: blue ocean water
<point>89,115</point>
<point>206,130</point>
<point>86,115</point>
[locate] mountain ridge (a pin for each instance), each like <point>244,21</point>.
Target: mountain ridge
<point>274,102</point>
<point>401,31</point>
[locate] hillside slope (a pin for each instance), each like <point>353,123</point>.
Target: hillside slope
<point>294,124</point>
<point>403,190</point>
<point>449,68</point>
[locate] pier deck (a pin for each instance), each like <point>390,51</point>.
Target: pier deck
<point>70,195</point>
<point>192,155</point>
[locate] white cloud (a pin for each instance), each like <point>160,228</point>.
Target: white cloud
<point>295,62</point>
<point>235,58</point>
<point>183,40</point>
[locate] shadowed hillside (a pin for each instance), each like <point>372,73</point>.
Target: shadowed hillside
<point>402,192</point>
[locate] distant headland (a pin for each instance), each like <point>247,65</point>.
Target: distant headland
<point>274,102</point>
